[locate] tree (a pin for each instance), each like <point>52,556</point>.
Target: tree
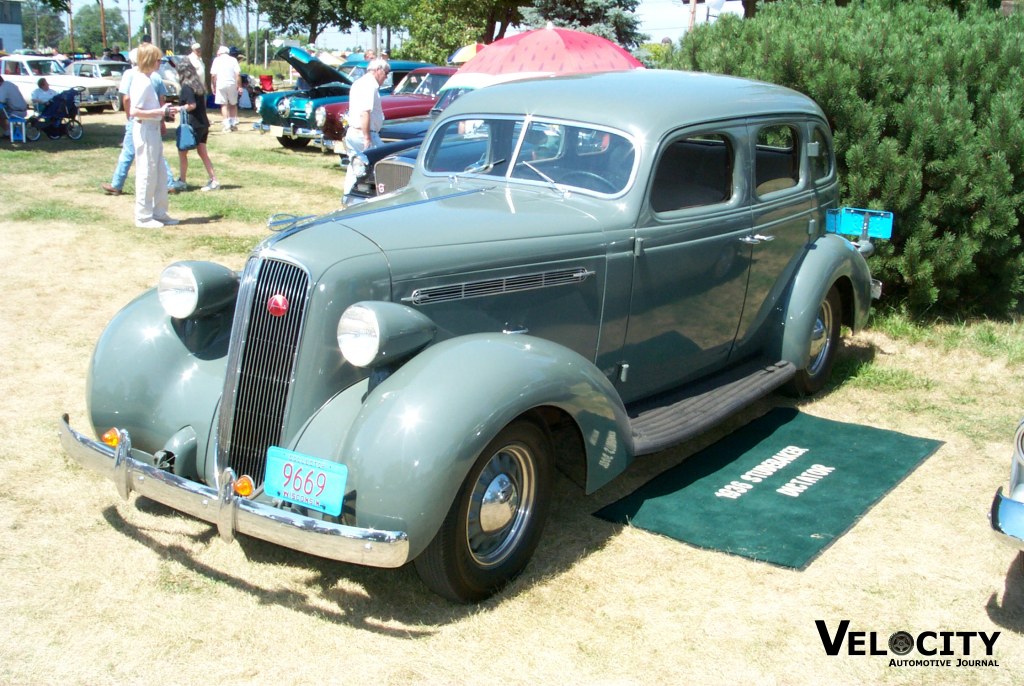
<point>612,19</point>
<point>925,105</point>
<point>310,16</point>
<point>88,33</point>
<point>41,25</point>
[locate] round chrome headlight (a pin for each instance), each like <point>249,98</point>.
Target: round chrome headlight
<point>321,117</point>
<point>372,333</point>
<point>309,109</point>
<point>283,106</point>
<point>359,165</point>
<point>178,291</point>
<point>359,335</point>
<point>259,103</point>
<point>193,289</point>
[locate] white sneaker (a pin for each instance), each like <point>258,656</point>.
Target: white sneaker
<point>211,186</point>
<point>167,221</point>
<point>180,185</point>
<point>149,224</point>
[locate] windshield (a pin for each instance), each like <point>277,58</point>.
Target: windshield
<point>45,67</point>
<point>113,69</point>
<point>534,150</point>
<point>419,83</point>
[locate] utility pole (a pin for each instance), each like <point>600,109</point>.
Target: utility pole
<point>693,14</point>
<point>103,25</point>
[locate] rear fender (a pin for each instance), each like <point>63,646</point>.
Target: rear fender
<point>831,260</point>
<point>410,444</point>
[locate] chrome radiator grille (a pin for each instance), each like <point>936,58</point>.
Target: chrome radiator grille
<point>264,344</point>
<point>391,175</point>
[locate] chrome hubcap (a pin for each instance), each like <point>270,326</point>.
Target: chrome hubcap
<point>501,505</point>
<point>821,338</point>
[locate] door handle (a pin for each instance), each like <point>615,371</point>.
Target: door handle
<point>756,239</point>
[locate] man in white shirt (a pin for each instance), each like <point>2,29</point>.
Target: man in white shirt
<point>226,79</point>
<point>42,95</point>
<point>196,58</point>
<point>365,114</point>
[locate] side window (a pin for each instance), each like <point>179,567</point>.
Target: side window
<point>777,163</point>
<point>693,171</point>
<point>821,162</point>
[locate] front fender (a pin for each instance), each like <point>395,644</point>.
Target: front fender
<point>830,260</point>
<point>154,377</point>
<point>410,444</point>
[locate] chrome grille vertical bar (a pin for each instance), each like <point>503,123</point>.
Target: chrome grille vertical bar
<point>261,364</point>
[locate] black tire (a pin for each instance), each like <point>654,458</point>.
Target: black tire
<point>293,143</point>
<point>824,343</point>
<point>31,132</point>
<point>75,129</point>
<point>478,551</point>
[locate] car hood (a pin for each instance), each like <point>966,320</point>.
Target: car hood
<point>421,229</point>
<point>313,71</point>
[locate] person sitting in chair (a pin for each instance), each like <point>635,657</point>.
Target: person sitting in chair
<point>42,95</point>
<point>13,104</point>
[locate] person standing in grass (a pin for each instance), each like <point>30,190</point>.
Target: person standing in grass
<point>192,99</point>
<point>226,80</point>
<point>147,117</point>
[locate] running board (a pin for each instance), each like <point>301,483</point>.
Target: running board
<point>681,415</point>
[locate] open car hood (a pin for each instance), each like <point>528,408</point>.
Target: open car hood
<point>313,71</point>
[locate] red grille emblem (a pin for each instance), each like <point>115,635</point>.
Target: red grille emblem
<point>277,306</point>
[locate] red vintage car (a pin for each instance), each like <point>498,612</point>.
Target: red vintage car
<point>414,96</point>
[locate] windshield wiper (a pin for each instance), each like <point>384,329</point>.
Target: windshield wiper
<point>482,167</point>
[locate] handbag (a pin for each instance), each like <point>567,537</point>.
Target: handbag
<point>186,135</point>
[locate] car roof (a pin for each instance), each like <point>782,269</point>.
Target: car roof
<point>99,62</point>
<point>641,100</point>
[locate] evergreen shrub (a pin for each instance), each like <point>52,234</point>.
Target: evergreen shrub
<point>927,107</point>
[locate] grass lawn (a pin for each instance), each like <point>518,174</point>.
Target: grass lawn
<point>97,591</point>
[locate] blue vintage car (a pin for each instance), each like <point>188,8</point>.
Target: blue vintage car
<point>290,115</point>
<point>387,384</point>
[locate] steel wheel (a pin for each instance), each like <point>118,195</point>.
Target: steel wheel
<point>75,129</point>
<point>32,133</point>
<point>495,522</point>
<point>823,344</point>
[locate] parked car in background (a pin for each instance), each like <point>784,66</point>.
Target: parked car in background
<point>168,70</point>
<point>98,93</point>
<point>414,96</point>
<point>109,70</point>
<point>385,384</point>
<point>399,69</point>
<point>386,168</point>
<point>288,114</point>
<point>1007,513</point>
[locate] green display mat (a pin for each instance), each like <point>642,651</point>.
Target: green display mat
<point>817,477</point>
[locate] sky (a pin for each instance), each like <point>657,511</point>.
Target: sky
<point>659,19</point>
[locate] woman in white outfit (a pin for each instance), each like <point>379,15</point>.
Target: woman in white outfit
<point>150,171</point>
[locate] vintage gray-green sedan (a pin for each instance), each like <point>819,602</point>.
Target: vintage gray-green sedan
<point>609,263</point>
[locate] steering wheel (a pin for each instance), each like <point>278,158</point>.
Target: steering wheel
<point>588,180</point>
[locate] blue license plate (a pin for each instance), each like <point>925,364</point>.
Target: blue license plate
<point>305,480</point>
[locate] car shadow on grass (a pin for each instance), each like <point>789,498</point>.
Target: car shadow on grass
<point>361,596</point>
<point>1009,613</point>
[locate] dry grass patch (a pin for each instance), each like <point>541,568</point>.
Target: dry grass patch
<point>95,591</point>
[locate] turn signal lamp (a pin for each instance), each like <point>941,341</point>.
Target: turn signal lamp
<point>111,437</point>
<point>244,486</point>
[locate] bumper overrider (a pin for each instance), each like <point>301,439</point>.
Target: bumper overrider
<point>233,514</point>
<point>1007,514</point>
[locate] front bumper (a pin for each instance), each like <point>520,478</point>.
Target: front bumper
<point>231,513</point>
<point>1007,519</point>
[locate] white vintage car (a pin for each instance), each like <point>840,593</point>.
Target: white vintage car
<point>26,70</point>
